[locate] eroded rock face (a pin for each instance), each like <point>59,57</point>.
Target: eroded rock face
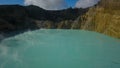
<point>104,18</point>
<point>16,17</point>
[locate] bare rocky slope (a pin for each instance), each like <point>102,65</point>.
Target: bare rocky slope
<point>103,18</point>
<point>17,18</point>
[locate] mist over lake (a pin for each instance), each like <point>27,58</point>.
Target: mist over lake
<point>55,48</point>
<point>60,34</point>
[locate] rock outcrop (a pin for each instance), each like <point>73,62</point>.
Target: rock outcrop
<point>104,18</point>
<point>29,17</point>
<point>21,18</point>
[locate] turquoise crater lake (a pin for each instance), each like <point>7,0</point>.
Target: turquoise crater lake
<point>52,48</point>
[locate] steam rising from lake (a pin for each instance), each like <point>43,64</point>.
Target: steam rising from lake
<point>60,49</point>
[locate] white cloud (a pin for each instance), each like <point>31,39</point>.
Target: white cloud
<point>85,3</point>
<point>47,4</point>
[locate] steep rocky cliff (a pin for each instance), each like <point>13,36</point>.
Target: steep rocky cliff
<point>103,18</point>
<point>21,18</point>
<point>16,17</point>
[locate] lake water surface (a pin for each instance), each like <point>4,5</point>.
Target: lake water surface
<point>60,49</point>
